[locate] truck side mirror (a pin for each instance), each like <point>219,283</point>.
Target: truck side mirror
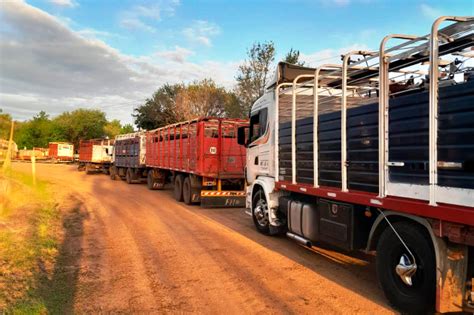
<point>242,135</point>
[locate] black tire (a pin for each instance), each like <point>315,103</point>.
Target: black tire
<point>88,169</point>
<point>150,181</point>
<point>260,215</point>
<point>420,296</point>
<point>113,173</point>
<point>178,187</point>
<point>129,176</point>
<point>187,194</point>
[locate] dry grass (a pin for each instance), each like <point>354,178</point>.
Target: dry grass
<point>30,231</point>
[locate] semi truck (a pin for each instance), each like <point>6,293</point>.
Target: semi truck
<point>376,153</point>
<point>128,159</point>
<point>61,151</point>
<point>95,155</point>
<point>202,158</point>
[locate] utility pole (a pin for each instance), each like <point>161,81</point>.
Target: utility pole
<point>7,162</point>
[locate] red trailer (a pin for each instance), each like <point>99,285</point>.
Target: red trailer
<point>95,155</point>
<point>61,151</point>
<point>204,159</point>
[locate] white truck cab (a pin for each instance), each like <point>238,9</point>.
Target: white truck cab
<point>262,199</point>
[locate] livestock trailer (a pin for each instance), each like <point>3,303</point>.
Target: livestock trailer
<point>203,158</point>
<point>61,151</point>
<point>129,157</point>
<point>95,155</point>
<point>38,153</point>
<point>4,144</point>
<point>376,154</point>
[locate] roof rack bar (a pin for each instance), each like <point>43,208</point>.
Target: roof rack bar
<point>433,103</point>
<point>345,66</point>
<point>315,120</point>
<point>383,110</point>
<point>293,126</point>
<point>277,127</point>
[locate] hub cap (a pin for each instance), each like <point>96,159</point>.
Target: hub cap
<point>406,269</point>
<point>261,212</point>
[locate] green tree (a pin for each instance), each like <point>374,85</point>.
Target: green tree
<point>293,57</point>
<point>5,125</point>
<point>253,74</point>
<point>233,107</point>
<point>37,132</point>
<point>204,98</point>
<point>80,124</point>
<point>160,109</point>
<point>112,128</point>
<point>127,128</point>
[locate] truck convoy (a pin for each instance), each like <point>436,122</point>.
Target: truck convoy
<point>201,157</point>
<point>61,151</point>
<point>95,155</point>
<point>376,154</point>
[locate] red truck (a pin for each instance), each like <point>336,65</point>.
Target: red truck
<point>61,151</point>
<point>203,159</point>
<point>95,155</point>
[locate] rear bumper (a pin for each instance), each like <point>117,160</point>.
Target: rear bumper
<point>222,199</point>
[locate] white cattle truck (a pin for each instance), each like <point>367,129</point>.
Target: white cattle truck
<point>95,155</point>
<point>376,153</point>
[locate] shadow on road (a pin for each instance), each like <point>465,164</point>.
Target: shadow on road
<point>58,290</point>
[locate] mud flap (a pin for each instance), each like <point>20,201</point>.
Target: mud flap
<point>223,201</point>
<point>450,276</point>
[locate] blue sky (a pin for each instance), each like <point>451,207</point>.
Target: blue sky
<point>114,54</point>
<point>305,25</point>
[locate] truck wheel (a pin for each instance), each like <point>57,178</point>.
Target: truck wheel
<point>150,181</point>
<point>88,169</point>
<point>187,195</point>
<point>113,173</point>
<point>129,176</point>
<point>413,293</point>
<point>260,212</point>
<point>178,187</point>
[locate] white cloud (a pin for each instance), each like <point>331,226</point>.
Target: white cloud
<point>143,18</point>
<point>64,3</point>
<point>137,24</point>
<point>430,12</point>
<point>179,54</point>
<point>201,32</point>
<point>96,34</point>
<point>332,56</point>
<point>45,65</point>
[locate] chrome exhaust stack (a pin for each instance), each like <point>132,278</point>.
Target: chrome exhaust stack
<point>299,239</point>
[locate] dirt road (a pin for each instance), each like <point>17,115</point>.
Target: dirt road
<point>140,251</point>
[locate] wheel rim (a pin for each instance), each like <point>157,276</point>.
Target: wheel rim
<point>261,212</point>
<point>409,276</point>
<point>406,269</point>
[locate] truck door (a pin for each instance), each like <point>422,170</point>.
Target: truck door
<point>258,148</point>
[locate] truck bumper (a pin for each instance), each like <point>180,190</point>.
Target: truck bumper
<point>222,199</point>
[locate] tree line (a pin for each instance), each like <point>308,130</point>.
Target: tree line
<point>172,103</point>
<point>69,127</point>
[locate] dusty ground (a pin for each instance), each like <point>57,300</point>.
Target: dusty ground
<point>140,251</point>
